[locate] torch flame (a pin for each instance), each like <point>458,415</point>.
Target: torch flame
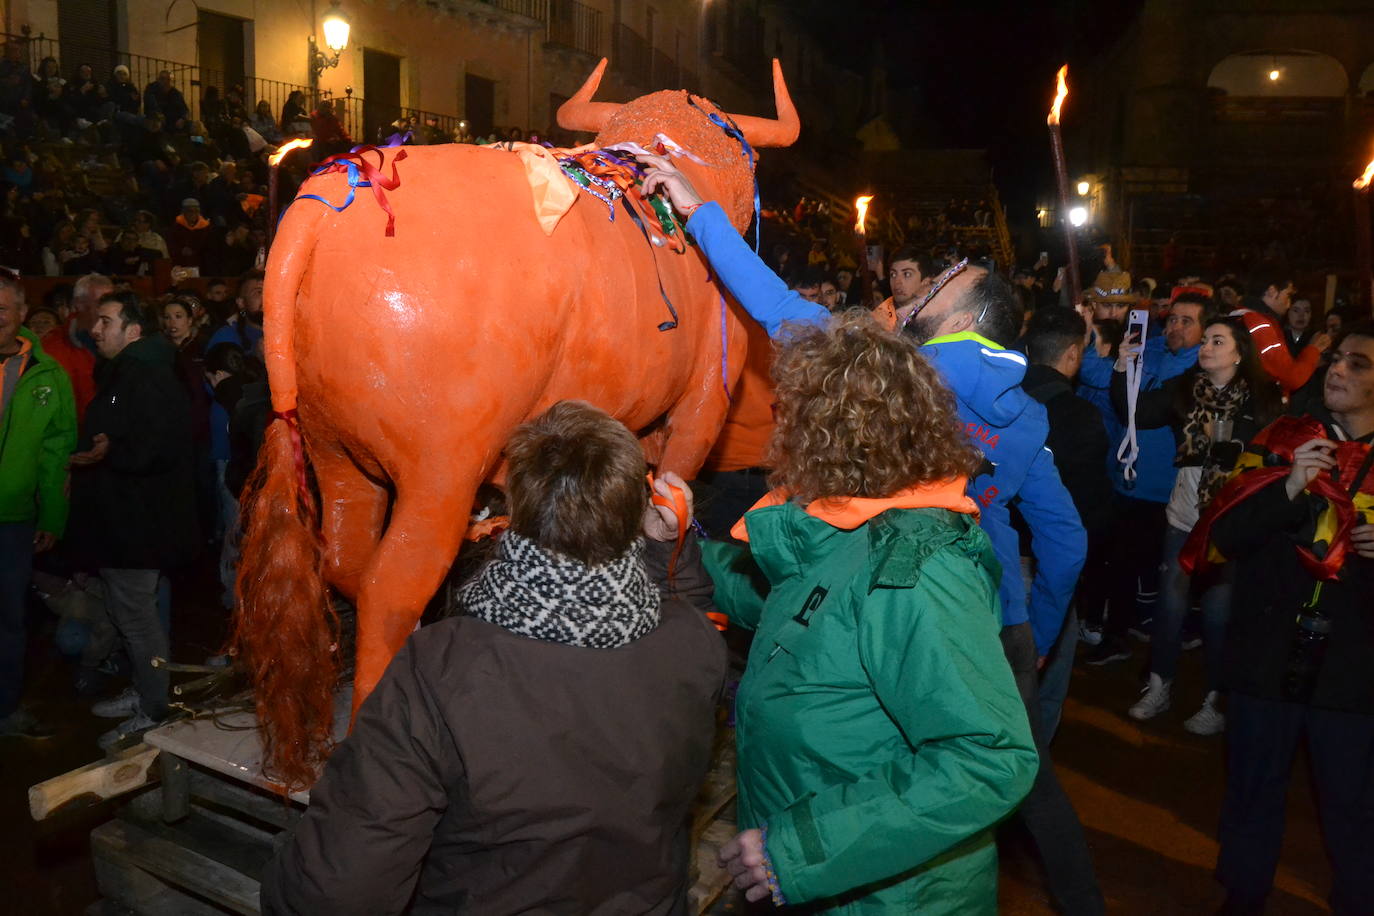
<point>1363,181</point>
<point>861,207</point>
<point>1060,94</point>
<point>298,143</point>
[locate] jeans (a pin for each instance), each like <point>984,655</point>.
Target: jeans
<point>1132,560</point>
<point>16,563</point>
<point>1175,590</point>
<point>1054,677</point>
<point>1047,812</point>
<point>1261,739</point>
<point>131,598</point>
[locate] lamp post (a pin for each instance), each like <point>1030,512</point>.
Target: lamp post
<point>336,29</point>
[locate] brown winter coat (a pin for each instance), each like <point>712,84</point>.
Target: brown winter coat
<point>490,773</point>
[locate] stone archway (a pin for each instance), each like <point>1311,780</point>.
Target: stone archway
<point>1264,73</point>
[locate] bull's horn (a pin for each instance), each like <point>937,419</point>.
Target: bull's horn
<point>780,131</point>
<point>580,112</point>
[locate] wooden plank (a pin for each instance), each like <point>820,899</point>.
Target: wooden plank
<point>128,770</point>
<point>131,845</point>
<point>712,880</point>
<point>230,743</point>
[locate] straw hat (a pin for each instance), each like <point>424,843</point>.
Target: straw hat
<point>1111,286</point>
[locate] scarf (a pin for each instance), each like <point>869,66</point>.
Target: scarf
<point>1210,404</point>
<point>1323,542</point>
<point>541,594</point>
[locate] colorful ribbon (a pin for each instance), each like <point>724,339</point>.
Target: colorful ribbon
<point>732,130</point>
<point>361,173</point>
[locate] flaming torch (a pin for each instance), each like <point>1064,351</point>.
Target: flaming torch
<point>1061,178</point>
<point>861,272</point>
<point>273,161</point>
<point>1362,236</point>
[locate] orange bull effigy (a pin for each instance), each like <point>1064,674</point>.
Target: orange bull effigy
<point>421,303</point>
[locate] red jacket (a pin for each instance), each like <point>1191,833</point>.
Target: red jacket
<point>1291,372</point>
<point>79,364</point>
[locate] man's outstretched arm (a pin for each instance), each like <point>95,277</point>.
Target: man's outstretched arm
<point>760,291</point>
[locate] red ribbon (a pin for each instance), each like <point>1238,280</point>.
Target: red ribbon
<point>293,424</point>
<point>356,159</point>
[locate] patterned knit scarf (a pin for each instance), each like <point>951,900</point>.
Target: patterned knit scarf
<point>543,595</point>
<point>1210,404</point>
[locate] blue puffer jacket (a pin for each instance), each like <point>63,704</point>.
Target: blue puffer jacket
<point>1002,420</point>
<point>1155,471</point>
<point>1009,427</point>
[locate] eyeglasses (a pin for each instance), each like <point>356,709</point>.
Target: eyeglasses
<point>940,282</point>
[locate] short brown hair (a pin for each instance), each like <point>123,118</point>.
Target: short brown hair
<point>576,483</point>
<point>861,413</point>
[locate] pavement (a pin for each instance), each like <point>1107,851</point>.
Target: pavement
<point>1147,793</point>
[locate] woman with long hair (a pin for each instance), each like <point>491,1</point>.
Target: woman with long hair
<point>876,689</point>
<point>1214,409</point>
<point>295,119</point>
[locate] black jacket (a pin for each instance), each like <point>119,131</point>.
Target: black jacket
<point>1078,440</point>
<point>490,773</point>
<point>1271,584</point>
<point>1162,406</point>
<point>135,509</point>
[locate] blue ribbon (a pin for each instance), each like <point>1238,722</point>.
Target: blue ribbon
<point>732,130</point>
<point>355,181</point>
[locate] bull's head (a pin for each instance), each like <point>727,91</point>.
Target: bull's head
<point>726,176</point>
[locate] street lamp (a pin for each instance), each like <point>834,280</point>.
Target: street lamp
<point>1078,216</point>
<point>336,28</point>
<point>1083,188</point>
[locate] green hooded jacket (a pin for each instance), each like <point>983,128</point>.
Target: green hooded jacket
<point>37,435</point>
<point>879,731</point>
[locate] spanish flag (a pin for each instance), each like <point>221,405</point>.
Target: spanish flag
<point>1325,540</point>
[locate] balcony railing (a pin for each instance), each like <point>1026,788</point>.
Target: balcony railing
<point>530,9</point>
<point>630,55</point>
<point>574,25</point>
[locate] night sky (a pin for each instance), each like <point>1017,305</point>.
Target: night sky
<point>984,70</point>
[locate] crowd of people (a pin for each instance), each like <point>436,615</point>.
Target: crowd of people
<point>934,483</point>
<point>191,190</point>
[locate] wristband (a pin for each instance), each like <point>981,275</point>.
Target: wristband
<point>686,212</point>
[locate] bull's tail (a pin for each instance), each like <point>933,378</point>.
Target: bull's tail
<point>285,632</point>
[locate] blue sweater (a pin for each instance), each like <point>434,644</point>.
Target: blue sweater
<point>1006,424</point>
<point>1155,471</point>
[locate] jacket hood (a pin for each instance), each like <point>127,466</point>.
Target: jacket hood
<point>985,378</point>
<point>787,539</point>
<point>849,512</point>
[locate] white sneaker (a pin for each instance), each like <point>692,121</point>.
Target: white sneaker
<point>1090,635</point>
<point>131,726</point>
<point>1156,698</point>
<point>1207,720</point>
<point>117,707</point>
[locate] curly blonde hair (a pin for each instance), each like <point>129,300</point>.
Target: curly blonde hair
<point>861,413</point>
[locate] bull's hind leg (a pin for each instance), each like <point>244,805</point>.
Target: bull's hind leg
<point>426,529</point>
<point>352,510</point>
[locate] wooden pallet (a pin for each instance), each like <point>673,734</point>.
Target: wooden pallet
<point>196,843</point>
